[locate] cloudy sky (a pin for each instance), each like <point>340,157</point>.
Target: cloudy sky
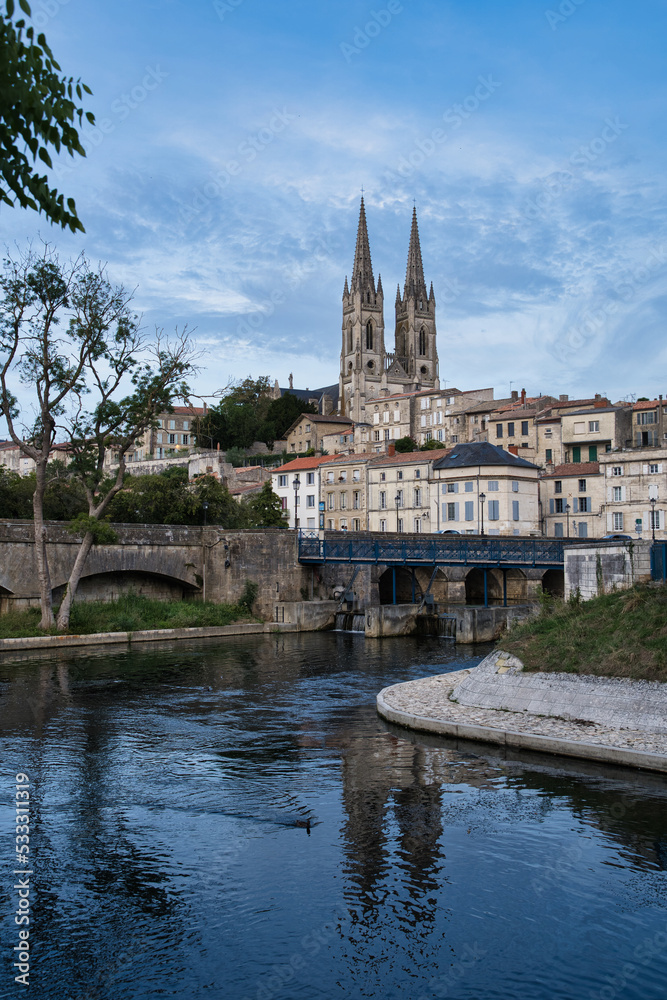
<point>234,137</point>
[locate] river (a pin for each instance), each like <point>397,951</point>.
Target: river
<point>232,820</point>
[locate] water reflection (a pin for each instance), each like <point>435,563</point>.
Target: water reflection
<point>174,856</point>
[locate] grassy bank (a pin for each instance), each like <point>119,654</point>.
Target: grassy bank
<point>130,613</point>
<point>623,634</point>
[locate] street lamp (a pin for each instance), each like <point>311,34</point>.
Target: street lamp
<point>204,507</point>
<point>482,498</point>
<point>567,515</point>
<point>652,502</point>
<point>397,501</point>
<point>296,485</point>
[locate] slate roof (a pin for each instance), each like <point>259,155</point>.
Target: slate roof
<point>464,456</point>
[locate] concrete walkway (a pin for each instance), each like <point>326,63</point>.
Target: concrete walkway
<point>427,705</point>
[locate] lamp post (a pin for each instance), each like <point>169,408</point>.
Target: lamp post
<point>482,498</point>
<point>652,502</point>
<point>397,501</point>
<point>204,507</point>
<point>567,515</point>
<point>296,485</point>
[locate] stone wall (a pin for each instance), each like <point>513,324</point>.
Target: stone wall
<point>598,567</point>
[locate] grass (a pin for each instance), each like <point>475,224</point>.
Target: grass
<point>130,613</point>
<point>622,634</point>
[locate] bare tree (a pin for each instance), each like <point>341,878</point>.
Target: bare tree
<point>115,426</point>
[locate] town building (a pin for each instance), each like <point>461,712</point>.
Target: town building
<point>480,488</point>
<point>343,486</point>
<point>399,491</point>
<point>308,430</point>
<point>635,492</point>
<point>297,484</point>
<point>572,500</point>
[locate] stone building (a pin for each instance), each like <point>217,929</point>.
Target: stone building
<point>572,499</point>
<point>308,430</point>
<point>366,368</point>
<point>301,504</point>
<point>399,491</point>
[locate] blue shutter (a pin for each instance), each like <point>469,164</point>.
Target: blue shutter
<point>515,510</point>
<point>551,506</point>
<point>575,505</point>
<point>456,512</point>
<point>470,510</point>
<point>444,511</point>
<point>494,510</point>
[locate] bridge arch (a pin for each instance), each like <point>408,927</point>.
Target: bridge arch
<point>502,586</point>
<point>553,582</point>
<point>113,584</point>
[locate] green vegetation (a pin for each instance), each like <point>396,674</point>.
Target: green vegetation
<point>130,613</point>
<point>246,414</point>
<point>622,634</point>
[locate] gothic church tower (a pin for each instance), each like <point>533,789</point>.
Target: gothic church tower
<point>362,356</point>
<point>416,357</point>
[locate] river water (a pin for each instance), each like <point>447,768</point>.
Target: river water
<point>232,820</point>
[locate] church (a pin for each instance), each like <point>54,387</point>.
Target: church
<point>367,369</point>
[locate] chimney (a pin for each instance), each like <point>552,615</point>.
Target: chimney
<point>523,395</point>
<point>514,449</point>
<point>563,398</point>
<point>391,448</point>
<point>515,395</point>
<point>597,395</point>
<point>600,403</point>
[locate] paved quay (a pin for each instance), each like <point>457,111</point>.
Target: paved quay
<point>427,705</point>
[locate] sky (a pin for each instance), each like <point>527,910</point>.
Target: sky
<point>234,137</point>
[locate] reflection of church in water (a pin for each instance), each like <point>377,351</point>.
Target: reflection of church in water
<point>367,370</point>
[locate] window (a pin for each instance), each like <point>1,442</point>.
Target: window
<point>617,522</point>
<point>385,417</point>
<point>452,512</point>
<point>356,500</point>
<point>399,475</point>
<point>400,524</point>
<point>617,493</point>
<point>547,432</point>
<point>330,477</point>
<point>417,525</point>
<point>455,438</point>
<point>524,428</point>
<point>494,510</point>
<point>560,505</point>
<point>439,435</point>
<point>428,436</point>
<point>356,524</point>
<point>376,417</point>
<point>452,487</point>
<point>417,473</point>
<point>369,336</point>
<point>282,480</point>
<point>418,498</point>
<point>342,477</point>
<point>515,510</point>
<point>310,478</point>
<point>470,510</point>
<point>647,417</point>
<point>592,453</point>
<point>549,455</point>
<point>159,439</point>
<point>582,485</point>
<point>383,525</point>
<point>356,475</point>
<point>558,486</point>
<point>499,430</point>
<point>653,468</point>
<point>383,500</point>
<point>399,498</point>
<point>172,439</point>
<point>617,470</point>
<point>376,435</point>
<point>654,520</point>
<point>583,529</point>
<point>558,529</point>
<point>283,503</point>
<point>576,453</point>
<point>186,438</point>
<point>330,501</point>
<point>422,342</point>
<point>387,434</point>
<point>515,486</point>
<point>383,476</point>
<point>172,425</point>
<point>584,505</point>
<point>343,501</point>
<point>580,427</point>
<point>510,430</point>
<point>469,487</point>
<point>493,485</point>
<point>307,428</point>
<point>343,525</point>
<point>310,500</point>
<point>593,426</point>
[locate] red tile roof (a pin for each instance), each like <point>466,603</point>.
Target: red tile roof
<point>579,469</point>
<point>297,464</point>
<point>403,458</point>
<point>648,404</point>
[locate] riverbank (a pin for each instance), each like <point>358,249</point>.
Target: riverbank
<point>470,704</point>
<point>621,634</point>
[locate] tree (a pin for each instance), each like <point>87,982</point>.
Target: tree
<point>235,422</point>
<point>280,415</point>
<point>431,445</point>
<point>100,353</point>
<point>405,444</point>
<point>38,113</point>
<point>265,509</point>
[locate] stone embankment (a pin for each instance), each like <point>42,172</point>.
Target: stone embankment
<point>610,720</point>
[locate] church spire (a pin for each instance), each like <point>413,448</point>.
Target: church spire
<point>414,272</point>
<point>362,271</point>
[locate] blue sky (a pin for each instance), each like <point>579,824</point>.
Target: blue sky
<point>235,136</point>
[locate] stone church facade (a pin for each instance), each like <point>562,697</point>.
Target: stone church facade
<point>367,369</point>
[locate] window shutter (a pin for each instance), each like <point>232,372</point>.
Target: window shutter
<point>470,510</point>
<point>456,512</point>
<point>515,510</point>
<point>661,520</point>
<point>610,526</point>
<point>646,521</point>
<point>610,495</point>
<point>659,466</point>
<point>551,506</point>
<point>645,469</point>
<point>575,505</point>
<point>444,511</point>
<point>622,492</point>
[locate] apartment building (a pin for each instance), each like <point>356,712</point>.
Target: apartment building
<point>590,432</point>
<point>307,431</point>
<point>343,491</point>
<point>635,488</point>
<point>399,491</point>
<point>297,483</point>
<point>479,487</point>
<point>649,423</point>
<point>572,499</point>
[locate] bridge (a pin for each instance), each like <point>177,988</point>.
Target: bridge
<point>493,560</point>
